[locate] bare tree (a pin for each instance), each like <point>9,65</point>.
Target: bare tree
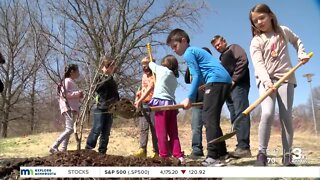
<point>49,34</point>
<point>121,29</point>
<point>16,41</point>
<point>316,100</point>
<point>41,47</point>
<point>303,112</point>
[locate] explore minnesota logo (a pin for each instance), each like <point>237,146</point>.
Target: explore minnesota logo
<point>36,172</point>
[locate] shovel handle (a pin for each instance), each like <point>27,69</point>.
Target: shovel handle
<point>149,51</point>
<point>150,56</point>
<point>276,85</point>
<point>172,107</point>
<point>256,103</point>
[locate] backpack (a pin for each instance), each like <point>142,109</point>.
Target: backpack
<point>60,88</point>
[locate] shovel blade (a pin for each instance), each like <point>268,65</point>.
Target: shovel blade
<point>223,138</point>
<point>233,130</point>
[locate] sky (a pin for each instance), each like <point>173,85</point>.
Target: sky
<point>230,18</point>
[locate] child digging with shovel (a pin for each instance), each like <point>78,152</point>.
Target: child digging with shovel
<point>143,97</point>
<point>270,56</point>
<point>204,66</point>
<point>166,121</point>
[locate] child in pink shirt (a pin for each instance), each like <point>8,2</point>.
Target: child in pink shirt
<point>69,103</point>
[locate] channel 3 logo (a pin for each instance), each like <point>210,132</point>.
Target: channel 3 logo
<point>297,156</point>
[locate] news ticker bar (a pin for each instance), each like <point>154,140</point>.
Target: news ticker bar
<point>140,172</point>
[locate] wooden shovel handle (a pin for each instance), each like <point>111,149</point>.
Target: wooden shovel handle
<point>172,107</point>
<point>151,58</point>
<point>149,51</point>
<point>276,85</point>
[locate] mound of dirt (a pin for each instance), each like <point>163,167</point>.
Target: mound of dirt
<point>9,168</point>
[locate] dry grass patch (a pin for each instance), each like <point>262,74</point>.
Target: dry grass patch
<point>124,141</point>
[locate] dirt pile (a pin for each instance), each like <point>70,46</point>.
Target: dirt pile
<point>9,168</point>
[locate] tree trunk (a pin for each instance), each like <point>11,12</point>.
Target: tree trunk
<point>5,123</point>
<point>32,119</point>
<point>33,103</point>
<point>4,129</point>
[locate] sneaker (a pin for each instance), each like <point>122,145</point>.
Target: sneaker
<point>53,150</point>
<point>287,160</point>
<point>196,156</point>
<point>212,162</point>
<point>182,160</point>
<point>241,153</point>
<point>261,159</point>
<point>197,153</point>
<point>154,155</point>
<point>227,158</point>
<point>140,153</point>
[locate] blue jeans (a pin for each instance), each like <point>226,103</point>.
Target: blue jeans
<point>196,126</point>
<point>102,123</point>
<point>70,117</point>
<point>237,103</point>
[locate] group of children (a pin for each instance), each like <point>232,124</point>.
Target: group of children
<point>270,57</point>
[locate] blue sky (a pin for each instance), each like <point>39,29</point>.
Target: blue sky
<point>230,19</point>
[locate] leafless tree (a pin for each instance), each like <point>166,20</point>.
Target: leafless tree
<point>49,34</point>
<point>316,100</point>
<point>304,112</point>
<point>41,47</point>
<point>16,43</point>
<point>121,29</point>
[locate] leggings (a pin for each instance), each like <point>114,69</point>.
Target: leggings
<point>284,96</point>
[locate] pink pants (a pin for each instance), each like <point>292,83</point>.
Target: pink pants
<point>166,125</point>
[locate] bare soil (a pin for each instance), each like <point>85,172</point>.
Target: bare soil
<point>10,167</point>
<point>124,141</point>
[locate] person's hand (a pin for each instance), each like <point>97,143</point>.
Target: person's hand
<point>137,104</point>
<point>186,103</point>
<point>270,86</point>
<point>304,60</point>
<point>232,85</point>
<point>138,95</point>
<point>81,95</point>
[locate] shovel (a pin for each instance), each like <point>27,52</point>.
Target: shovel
<point>125,108</point>
<point>257,102</point>
<point>170,107</point>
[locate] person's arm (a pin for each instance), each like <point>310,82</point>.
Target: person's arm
<point>241,64</point>
<point>258,62</point>
<point>195,74</point>
<point>101,82</point>
<point>138,95</point>
<point>153,66</point>
<point>296,42</point>
<point>70,94</point>
<point>149,89</point>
